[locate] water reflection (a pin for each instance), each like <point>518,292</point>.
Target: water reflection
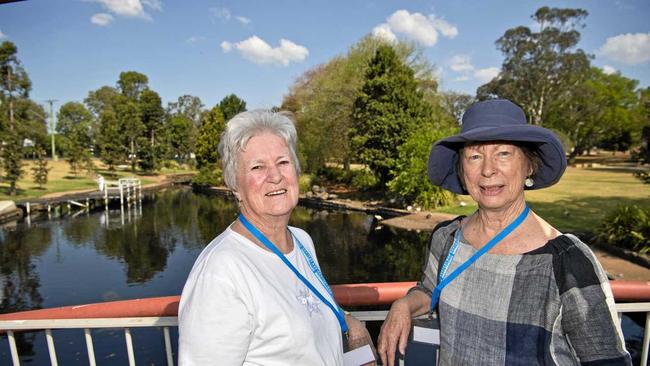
<point>149,249</point>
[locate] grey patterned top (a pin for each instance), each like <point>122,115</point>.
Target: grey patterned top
<point>550,306</point>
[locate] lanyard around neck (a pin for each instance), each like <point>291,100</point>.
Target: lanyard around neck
<point>338,312</point>
<point>444,280</point>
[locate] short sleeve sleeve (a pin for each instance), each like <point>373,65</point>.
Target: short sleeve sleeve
<point>588,314</point>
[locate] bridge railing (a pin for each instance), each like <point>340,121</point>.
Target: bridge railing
<point>162,312</point>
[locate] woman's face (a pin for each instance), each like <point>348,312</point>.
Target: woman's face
<point>267,185</point>
<point>494,174</point>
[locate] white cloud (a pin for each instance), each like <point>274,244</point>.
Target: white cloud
<point>631,49</point>
<point>447,30</point>
<point>258,51</point>
<point>609,70</point>
<point>221,13</point>
<point>487,74</point>
<point>383,31</point>
<point>101,19</point>
<point>462,78</point>
<point>2,35</point>
<point>460,63</point>
<point>226,46</point>
<point>130,8</point>
<point>243,20</point>
<point>415,26</point>
<point>194,39</point>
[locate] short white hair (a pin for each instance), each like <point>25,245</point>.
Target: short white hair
<point>245,125</point>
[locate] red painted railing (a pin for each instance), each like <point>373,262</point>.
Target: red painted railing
<point>347,295</point>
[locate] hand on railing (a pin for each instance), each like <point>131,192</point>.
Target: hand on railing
<point>394,332</point>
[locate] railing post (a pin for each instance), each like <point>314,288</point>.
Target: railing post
<point>646,341</point>
<point>50,347</point>
<point>89,347</point>
<point>13,349</point>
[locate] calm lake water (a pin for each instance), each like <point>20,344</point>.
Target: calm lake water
<point>149,250</point>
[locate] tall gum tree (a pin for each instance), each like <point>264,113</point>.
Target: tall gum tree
<point>14,87</point>
<point>541,68</point>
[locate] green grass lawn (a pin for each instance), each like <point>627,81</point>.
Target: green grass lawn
<point>582,198</point>
<point>60,179</point>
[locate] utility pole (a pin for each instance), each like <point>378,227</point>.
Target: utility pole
<point>52,128</point>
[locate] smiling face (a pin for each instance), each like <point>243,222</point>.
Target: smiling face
<point>494,174</point>
<point>267,184</point>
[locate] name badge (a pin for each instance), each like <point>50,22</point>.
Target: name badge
<point>358,356</point>
<point>426,335</point>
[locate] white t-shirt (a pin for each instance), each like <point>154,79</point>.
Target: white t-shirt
<point>241,305</point>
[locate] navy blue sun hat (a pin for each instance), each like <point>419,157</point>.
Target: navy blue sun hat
<point>496,120</point>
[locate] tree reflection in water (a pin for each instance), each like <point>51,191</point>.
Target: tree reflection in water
<point>149,250</point>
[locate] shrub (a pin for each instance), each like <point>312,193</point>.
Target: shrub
<point>642,176</point>
<point>627,227</point>
<point>411,179</point>
<point>305,182</point>
<point>209,175</point>
<point>364,180</point>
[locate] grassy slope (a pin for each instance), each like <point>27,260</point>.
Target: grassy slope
<point>60,180</point>
<point>582,198</point>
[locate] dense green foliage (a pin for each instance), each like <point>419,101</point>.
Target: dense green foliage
<point>411,180</point>
<point>74,125</point>
<point>388,109</point>
<point>207,141</point>
<point>322,100</point>
<point>627,227</point>
<point>14,90</point>
<point>40,169</point>
<point>231,105</point>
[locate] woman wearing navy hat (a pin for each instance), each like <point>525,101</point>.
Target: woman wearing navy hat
<point>509,288</point>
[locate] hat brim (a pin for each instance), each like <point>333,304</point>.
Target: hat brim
<point>443,159</point>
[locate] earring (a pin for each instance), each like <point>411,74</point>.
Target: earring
<point>528,182</point>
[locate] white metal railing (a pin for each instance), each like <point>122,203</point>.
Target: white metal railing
<point>166,322</point>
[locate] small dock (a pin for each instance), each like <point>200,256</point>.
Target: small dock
<point>127,191</point>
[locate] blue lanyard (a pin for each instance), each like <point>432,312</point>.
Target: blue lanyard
<point>444,280</point>
<point>338,312</point>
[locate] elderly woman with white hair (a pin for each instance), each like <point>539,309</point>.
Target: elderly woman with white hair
<point>256,295</point>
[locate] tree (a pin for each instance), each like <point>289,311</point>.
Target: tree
<point>40,169</point>
<point>455,104</point>
<point>411,179</point>
<point>386,112</point>
<point>180,129</point>
<point>74,124</point>
<point>541,69</point>
<point>188,106</point>
<point>131,128</point>
<point>152,114</point>
<point>14,86</point>
<point>644,115</point>
<point>208,138</point>
<point>602,111</point>
<point>109,140</point>
<point>322,100</point>
<point>132,83</point>
<point>231,105</point>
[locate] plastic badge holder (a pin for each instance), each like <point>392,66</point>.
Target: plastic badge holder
<point>423,346</point>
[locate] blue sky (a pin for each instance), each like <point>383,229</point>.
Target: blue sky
<point>257,49</point>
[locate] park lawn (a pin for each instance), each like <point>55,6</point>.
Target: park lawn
<point>581,200</point>
<point>60,179</point>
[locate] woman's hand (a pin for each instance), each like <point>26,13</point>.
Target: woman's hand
<point>358,336</point>
<point>394,332</point>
